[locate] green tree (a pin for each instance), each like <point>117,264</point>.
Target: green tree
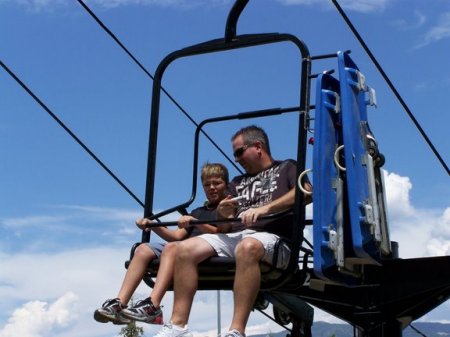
<point>131,330</point>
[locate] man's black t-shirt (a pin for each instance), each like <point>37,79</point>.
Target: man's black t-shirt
<point>264,187</point>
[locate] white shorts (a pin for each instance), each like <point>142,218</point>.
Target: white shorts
<point>225,244</point>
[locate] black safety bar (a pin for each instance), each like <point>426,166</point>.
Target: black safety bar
<point>216,221</point>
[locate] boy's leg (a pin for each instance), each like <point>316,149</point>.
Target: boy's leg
<point>149,310</point>
<point>165,273</point>
<point>143,255</point>
<point>112,310</point>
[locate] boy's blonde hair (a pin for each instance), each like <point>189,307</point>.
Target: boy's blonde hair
<point>214,169</point>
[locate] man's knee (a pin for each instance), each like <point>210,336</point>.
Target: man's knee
<point>193,251</point>
<point>249,249</point>
<point>185,252</point>
<point>170,249</point>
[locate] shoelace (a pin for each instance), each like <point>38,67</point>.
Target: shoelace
<point>112,301</point>
<point>148,300</point>
<point>232,333</point>
<point>165,331</point>
<point>143,302</point>
<point>108,302</point>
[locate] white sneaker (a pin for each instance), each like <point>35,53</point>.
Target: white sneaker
<point>233,333</point>
<point>170,330</point>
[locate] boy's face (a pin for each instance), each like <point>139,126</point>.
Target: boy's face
<point>215,189</point>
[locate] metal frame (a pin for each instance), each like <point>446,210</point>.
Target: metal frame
<point>219,45</point>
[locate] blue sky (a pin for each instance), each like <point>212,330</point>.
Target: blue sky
<point>66,226</point>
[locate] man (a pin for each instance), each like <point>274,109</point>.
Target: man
<point>267,187</point>
<point>215,180</point>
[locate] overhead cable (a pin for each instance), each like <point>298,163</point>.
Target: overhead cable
<point>72,134</point>
<point>125,49</point>
<point>391,85</point>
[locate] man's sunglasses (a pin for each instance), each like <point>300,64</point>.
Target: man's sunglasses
<point>240,151</point>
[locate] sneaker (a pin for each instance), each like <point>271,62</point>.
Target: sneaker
<point>233,333</point>
<point>144,311</point>
<point>111,311</point>
<point>169,330</point>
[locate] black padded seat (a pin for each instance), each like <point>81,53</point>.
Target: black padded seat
<point>218,273</point>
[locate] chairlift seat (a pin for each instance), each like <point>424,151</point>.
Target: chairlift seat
<point>218,272</point>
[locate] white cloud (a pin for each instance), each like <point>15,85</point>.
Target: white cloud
<point>403,24</point>
<point>438,32</point>
<point>95,274</point>
<point>32,221</point>
<point>420,232</point>
<point>49,5</point>
<point>36,318</point>
<point>104,213</point>
<point>82,223</point>
<point>397,194</point>
<point>364,6</point>
<point>40,5</point>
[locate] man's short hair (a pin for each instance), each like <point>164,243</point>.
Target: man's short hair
<point>214,169</point>
<point>251,134</point>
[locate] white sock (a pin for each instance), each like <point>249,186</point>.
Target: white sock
<point>179,328</point>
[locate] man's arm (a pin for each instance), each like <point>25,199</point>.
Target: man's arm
<point>284,202</point>
<point>184,222</point>
<point>227,208</point>
<point>220,228</point>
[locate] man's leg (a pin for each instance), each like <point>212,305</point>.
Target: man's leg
<point>190,253</point>
<point>136,270</point>
<point>249,253</point>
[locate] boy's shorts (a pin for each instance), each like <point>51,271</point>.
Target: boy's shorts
<point>157,248</point>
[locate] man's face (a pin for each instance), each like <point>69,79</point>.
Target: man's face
<point>215,189</point>
<point>246,154</point>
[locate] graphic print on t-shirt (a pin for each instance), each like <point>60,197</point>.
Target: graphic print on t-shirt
<point>258,190</point>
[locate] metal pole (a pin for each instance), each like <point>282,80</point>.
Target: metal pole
<point>218,314</point>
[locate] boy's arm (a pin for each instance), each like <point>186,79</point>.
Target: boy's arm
<point>165,233</point>
<point>171,234</point>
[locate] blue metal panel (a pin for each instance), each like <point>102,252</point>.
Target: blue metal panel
<point>326,213</point>
<point>355,131</point>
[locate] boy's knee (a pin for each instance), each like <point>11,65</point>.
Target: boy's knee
<point>144,252</point>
